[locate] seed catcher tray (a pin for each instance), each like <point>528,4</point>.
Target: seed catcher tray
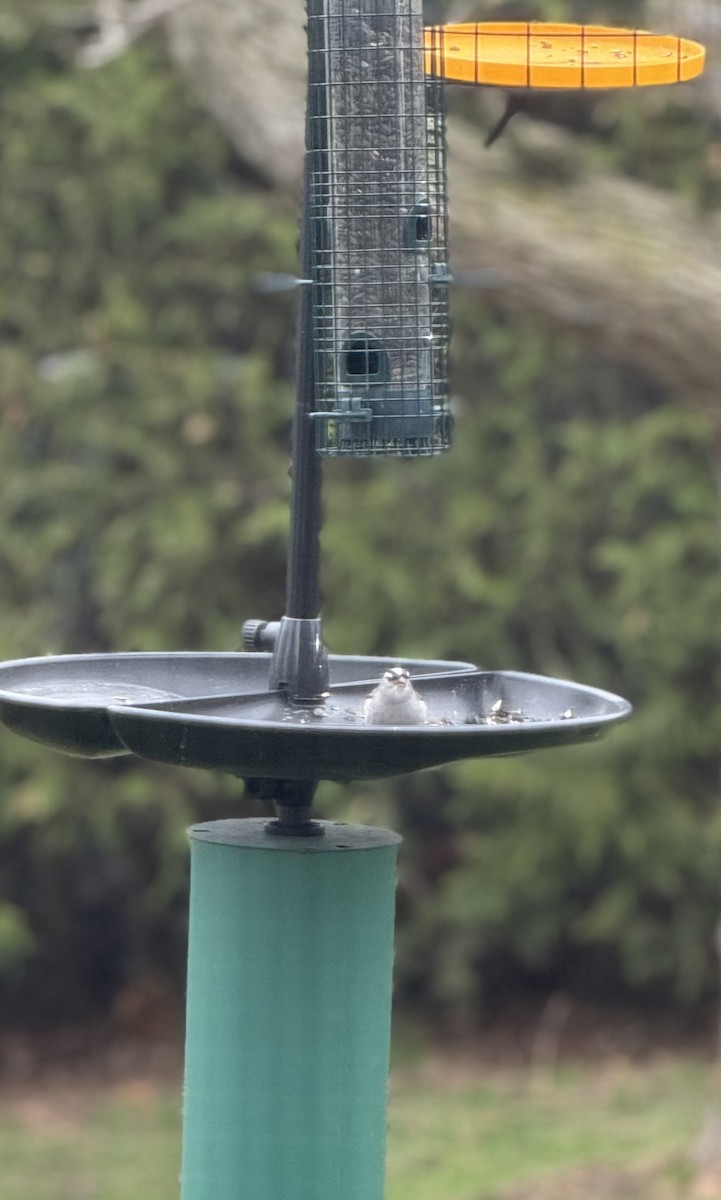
<point>215,711</point>
<point>470,714</point>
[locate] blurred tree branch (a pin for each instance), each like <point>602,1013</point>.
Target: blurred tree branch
<point>117,24</point>
<point>247,64</point>
<point>635,269</point>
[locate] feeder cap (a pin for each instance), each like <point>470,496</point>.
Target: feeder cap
<point>542,54</point>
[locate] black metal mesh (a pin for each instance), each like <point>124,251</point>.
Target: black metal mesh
<point>377,207</point>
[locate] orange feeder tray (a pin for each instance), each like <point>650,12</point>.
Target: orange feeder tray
<point>548,55</point>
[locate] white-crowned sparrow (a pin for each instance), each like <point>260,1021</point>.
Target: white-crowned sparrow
<point>395,701</point>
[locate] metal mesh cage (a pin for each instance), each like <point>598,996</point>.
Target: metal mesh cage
<point>377,208</point>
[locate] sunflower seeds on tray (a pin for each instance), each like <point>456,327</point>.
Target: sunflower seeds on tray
<point>500,715</point>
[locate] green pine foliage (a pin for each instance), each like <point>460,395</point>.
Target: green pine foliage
<point>145,401</point>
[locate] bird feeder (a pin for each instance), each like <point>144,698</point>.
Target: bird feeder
<point>289,974</point>
<point>378,227</point>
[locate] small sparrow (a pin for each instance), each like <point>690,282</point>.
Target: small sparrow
<point>395,701</point>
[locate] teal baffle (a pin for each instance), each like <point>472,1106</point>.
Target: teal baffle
<point>288,1017</point>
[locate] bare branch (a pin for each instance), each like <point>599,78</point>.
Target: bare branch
<point>120,24</point>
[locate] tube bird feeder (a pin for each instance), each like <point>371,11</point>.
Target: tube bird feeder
<point>377,212</point>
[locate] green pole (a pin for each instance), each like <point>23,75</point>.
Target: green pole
<point>288,1017</point>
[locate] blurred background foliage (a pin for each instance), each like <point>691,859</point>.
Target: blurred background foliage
<point>146,390</point>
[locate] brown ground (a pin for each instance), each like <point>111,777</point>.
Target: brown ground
<point>523,1035</point>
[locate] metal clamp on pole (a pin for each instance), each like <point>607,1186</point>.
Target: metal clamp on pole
<point>293,799</point>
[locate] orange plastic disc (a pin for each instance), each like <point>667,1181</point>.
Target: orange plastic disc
<point>546,55</point>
